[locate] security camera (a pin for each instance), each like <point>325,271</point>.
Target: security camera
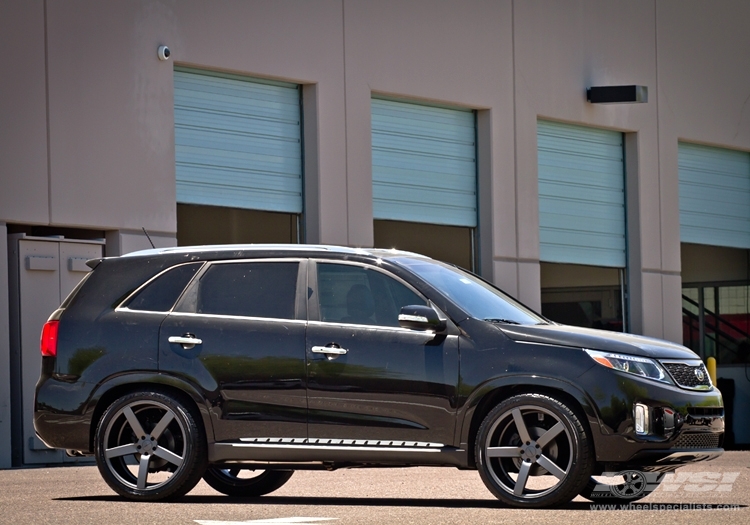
<point>163,53</point>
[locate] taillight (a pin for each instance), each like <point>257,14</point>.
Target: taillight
<point>49,338</point>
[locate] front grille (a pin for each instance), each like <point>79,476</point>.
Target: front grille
<point>698,440</point>
<point>688,376</point>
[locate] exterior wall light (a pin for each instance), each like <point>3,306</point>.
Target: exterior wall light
<point>617,94</point>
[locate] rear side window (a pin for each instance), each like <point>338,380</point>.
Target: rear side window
<point>256,289</point>
<point>161,293</point>
<point>74,292</point>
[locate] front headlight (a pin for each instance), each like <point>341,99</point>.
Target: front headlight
<point>640,366</point>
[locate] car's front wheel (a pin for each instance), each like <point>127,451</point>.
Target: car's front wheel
<point>533,451</point>
<point>149,446</point>
<point>245,483</point>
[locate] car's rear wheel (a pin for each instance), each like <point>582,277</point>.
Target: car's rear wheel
<point>533,451</point>
<point>149,447</point>
<point>245,483</point>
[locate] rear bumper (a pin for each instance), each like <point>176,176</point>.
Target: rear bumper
<point>67,431</point>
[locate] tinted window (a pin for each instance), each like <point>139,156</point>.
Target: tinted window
<point>477,298</point>
<point>161,293</point>
<point>357,295</point>
<point>262,289</point>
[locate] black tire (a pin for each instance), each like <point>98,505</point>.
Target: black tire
<point>171,437</point>
<point>635,485</point>
<point>534,436</point>
<point>231,481</point>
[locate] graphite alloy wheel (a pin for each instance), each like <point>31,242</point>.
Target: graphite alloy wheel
<point>532,451</point>
<point>245,483</point>
<point>149,447</point>
<point>623,487</point>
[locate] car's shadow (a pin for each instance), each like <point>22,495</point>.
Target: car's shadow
<point>393,502</point>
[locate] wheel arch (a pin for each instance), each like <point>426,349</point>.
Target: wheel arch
<point>489,395</point>
<point>119,386</point>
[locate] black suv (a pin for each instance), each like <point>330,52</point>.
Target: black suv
<point>243,363</point>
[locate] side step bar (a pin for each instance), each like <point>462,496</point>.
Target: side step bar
<point>290,451</point>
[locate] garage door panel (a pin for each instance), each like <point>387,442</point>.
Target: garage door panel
<point>423,164</point>
<point>237,142</point>
<point>585,225</point>
<point>572,192</point>
<point>227,142</point>
<point>237,124</point>
<point>714,196</point>
<point>581,195</point>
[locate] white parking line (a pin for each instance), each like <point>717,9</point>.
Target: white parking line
<point>269,521</point>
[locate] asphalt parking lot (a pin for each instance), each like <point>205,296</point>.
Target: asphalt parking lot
<point>416,495</point>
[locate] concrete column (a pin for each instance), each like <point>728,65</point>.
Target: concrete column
<point>311,169</point>
<point>497,198</point>
<point>527,208</point>
<point>360,228</point>
<point>5,429</point>
<point>671,263</point>
<point>325,180</point>
<point>485,184</point>
<point>635,267</point>
<point>654,281</point>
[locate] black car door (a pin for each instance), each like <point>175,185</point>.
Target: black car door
<point>238,333</point>
<point>368,378</point>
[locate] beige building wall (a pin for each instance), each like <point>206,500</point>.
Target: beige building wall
<point>24,188</point>
<point>562,48</point>
<point>87,124</point>
<point>91,140</point>
<point>703,97</point>
<point>436,53</point>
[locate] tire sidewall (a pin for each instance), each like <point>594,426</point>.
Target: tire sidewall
<point>268,481</point>
<point>581,464</point>
<point>184,478</point>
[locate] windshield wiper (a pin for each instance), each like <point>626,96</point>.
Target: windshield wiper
<point>501,321</point>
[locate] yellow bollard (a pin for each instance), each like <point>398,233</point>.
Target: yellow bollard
<point>711,366</point>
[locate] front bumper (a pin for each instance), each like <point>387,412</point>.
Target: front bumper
<point>684,426</point>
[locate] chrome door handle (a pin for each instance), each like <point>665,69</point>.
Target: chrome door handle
<point>187,341</point>
<point>329,350</point>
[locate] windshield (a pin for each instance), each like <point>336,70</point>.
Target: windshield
<point>476,297</point>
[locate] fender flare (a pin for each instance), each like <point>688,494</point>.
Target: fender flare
<point>134,380</point>
<point>516,384</point>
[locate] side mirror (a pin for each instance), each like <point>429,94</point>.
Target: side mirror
<point>418,317</point>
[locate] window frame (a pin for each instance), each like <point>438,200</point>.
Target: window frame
<point>314,303</point>
<point>300,306</point>
<point>122,306</point>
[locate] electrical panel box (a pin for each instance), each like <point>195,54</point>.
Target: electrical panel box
<point>42,272</point>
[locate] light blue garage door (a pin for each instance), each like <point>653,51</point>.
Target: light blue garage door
<point>423,164</point>
<point>714,196</point>
<point>237,142</point>
<point>581,195</point>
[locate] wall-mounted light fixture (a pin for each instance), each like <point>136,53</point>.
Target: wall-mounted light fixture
<point>617,94</point>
